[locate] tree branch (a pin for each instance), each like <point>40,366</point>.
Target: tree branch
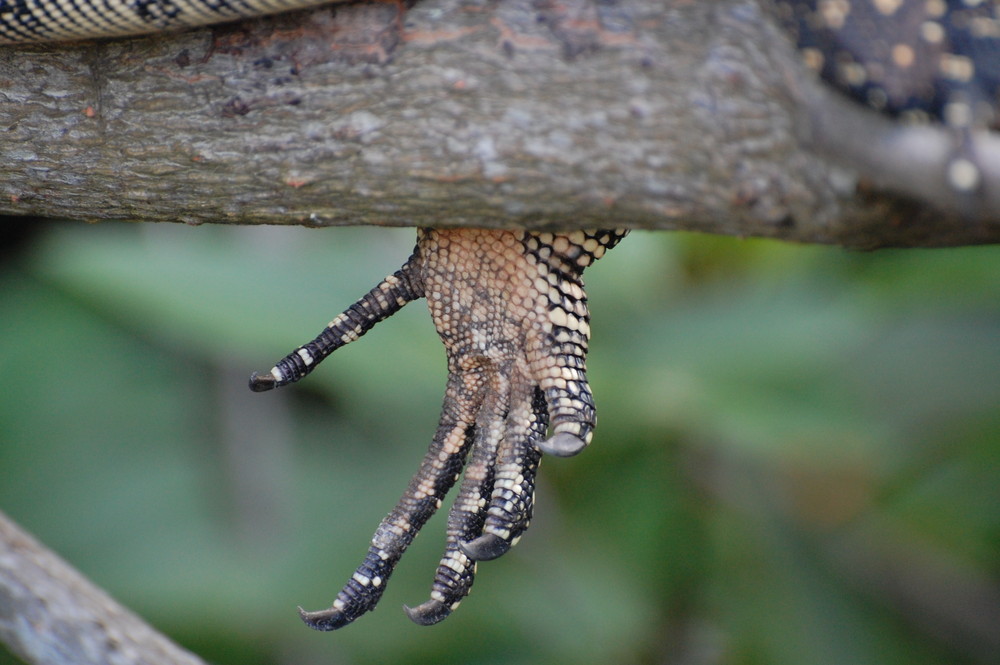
<point>50,614</point>
<point>642,113</point>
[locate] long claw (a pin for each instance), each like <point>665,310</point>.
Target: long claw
<point>562,444</point>
<point>428,613</point>
<point>330,619</point>
<point>485,548</point>
<point>261,381</point>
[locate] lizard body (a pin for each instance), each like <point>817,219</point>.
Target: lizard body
<point>509,305</point>
<point>34,21</point>
<point>920,61</point>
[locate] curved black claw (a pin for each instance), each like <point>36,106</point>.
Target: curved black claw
<point>428,613</point>
<point>562,444</point>
<point>485,548</point>
<point>261,381</point>
<point>330,619</point>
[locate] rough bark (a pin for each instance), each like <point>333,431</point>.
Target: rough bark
<point>521,113</point>
<point>50,614</point>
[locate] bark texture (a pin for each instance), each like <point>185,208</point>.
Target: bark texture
<point>50,614</point>
<point>521,113</point>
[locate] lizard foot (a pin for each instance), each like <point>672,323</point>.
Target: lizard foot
<point>511,311</point>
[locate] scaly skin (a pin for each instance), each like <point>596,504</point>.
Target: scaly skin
<point>920,60</point>
<point>511,311</point>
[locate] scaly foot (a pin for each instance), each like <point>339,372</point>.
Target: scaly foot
<point>511,311</point>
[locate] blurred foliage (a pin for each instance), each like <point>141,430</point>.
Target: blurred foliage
<point>798,457</point>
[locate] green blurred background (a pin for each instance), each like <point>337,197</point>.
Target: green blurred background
<point>797,461</point>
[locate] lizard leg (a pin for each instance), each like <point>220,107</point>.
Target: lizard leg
<point>381,302</point>
<point>440,468</point>
<point>456,572</point>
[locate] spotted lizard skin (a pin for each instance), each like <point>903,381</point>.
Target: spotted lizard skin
<point>922,61</point>
<point>512,313</point>
<point>32,21</point>
<point>909,58</point>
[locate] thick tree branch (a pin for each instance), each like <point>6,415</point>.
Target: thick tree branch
<point>51,614</point>
<point>643,113</point>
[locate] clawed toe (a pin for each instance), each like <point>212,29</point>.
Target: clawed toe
<point>485,548</point>
<point>562,444</point>
<point>428,613</point>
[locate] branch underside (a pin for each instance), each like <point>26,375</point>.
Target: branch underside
<point>637,113</point>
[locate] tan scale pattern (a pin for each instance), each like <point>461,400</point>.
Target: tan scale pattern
<point>510,308</point>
